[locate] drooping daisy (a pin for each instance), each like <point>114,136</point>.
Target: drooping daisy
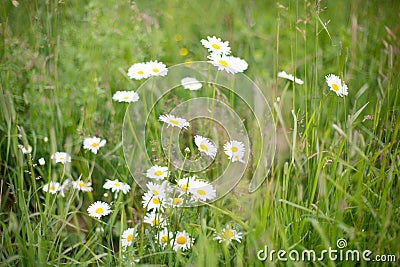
<point>41,161</point>
<point>182,241</point>
<point>157,172</point>
<point>229,64</point>
<point>205,146</point>
<point>62,157</point>
<point>336,84</point>
<point>216,46</point>
<point>117,186</point>
<point>290,77</point>
<point>191,83</point>
<point>157,68</point>
<point>173,121</point>
<point>128,237</point>
<point>125,96</point>
<point>164,236</point>
<point>186,183</point>
<point>25,149</point>
<point>82,186</point>
<point>155,219</point>
<point>52,187</point>
<point>157,189</point>
<point>99,209</point>
<point>151,201</point>
<point>228,234</point>
<point>93,144</point>
<point>202,190</point>
<point>234,150</point>
<point>139,71</point>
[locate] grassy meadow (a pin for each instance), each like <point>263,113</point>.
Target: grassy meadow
<point>335,171</point>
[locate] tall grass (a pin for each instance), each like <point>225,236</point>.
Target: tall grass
<point>336,171</point>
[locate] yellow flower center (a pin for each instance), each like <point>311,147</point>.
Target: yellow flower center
<point>81,184</point>
<point>234,149</point>
<point>184,52</point>
<point>204,147</point>
<point>156,70</point>
<point>156,201</point>
<point>215,46</point>
<point>158,173</point>
<point>99,210</point>
<point>117,184</point>
<point>61,158</point>
<point>129,238</point>
<point>181,240</point>
<point>176,201</point>
<point>156,222</point>
<point>201,192</point>
<point>94,144</point>
<point>335,87</point>
<point>155,192</point>
<point>126,97</point>
<point>223,63</point>
<point>52,188</point>
<point>140,72</point>
<point>228,234</point>
<point>164,239</point>
<point>174,122</point>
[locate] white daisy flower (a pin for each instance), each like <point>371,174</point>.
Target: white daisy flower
<point>187,183</point>
<point>284,75</point>
<point>125,96</point>
<point>205,146</point>
<point>228,63</point>
<point>228,234</point>
<point>128,237</point>
<point>238,64</point>
<point>41,161</point>
<point>234,150</point>
<point>164,236</point>
<point>151,201</point>
<point>173,121</point>
<point>62,157</point>
<point>117,186</point>
<point>175,201</point>
<point>25,149</point>
<point>139,71</point>
<point>155,219</point>
<point>182,241</point>
<point>336,84</point>
<point>93,144</point>
<point>52,187</point>
<point>157,189</point>
<point>157,172</point>
<point>157,68</point>
<point>99,209</point>
<point>82,186</point>
<point>191,83</point>
<point>202,190</point>
<point>216,46</point>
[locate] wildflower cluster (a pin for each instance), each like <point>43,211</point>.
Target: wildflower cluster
<point>166,191</point>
